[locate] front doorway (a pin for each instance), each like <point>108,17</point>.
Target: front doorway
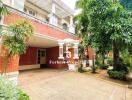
<point>42,58</point>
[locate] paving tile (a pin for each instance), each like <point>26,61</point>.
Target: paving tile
<point>47,84</point>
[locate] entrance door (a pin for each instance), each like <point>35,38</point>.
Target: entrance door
<point>42,57</point>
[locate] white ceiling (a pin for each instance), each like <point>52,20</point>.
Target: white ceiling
<point>42,41</point>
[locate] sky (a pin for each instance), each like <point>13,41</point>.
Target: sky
<point>70,3</point>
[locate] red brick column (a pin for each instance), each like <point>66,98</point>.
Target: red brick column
<point>72,56</point>
<point>12,65</point>
<point>90,54</point>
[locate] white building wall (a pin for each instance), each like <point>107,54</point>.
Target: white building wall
<point>18,4</point>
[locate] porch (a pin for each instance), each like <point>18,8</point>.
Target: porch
<point>41,50</point>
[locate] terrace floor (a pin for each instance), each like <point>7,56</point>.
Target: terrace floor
<point>51,84</point>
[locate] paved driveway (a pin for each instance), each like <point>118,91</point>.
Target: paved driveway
<point>52,84</point>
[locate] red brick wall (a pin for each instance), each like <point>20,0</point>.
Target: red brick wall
<point>42,29</point>
<point>72,55</point>
<point>12,66</point>
<point>39,28</point>
<point>30,57</point>
<point>90,53</point>
<point>53,54</point>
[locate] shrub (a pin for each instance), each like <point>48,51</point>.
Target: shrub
<point>22,95</point>
<point>80,69</point>
<point>127,56</point>
<point>117,74</point>
<point>9,91</point>
<point>99,63</point>
<point>110,61</point>
<point>103,66</point>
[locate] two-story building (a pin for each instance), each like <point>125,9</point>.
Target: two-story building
<point>52,21</point>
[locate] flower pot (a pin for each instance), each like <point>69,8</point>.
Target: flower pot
<point>129,78</point>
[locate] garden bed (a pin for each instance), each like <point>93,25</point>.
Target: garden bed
<point>102,74</point>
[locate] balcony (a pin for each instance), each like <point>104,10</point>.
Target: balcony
<point>40,26</point>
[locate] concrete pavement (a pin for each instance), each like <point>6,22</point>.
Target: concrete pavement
<point>49,84</point>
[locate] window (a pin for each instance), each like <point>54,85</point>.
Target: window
<point>32,13</point>
<point>65,27</point>
<point>47,19</point>
<point>25,9</point>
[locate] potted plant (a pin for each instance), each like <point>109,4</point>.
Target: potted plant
<point>14,42</point>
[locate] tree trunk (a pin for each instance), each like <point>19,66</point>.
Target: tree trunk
<point>103,58</point>
<point>116,56</point>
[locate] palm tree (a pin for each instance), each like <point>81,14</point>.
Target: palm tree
<point>14,40</point>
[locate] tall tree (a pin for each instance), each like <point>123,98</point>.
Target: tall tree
<point>108,24</point>
<point>88,19</point>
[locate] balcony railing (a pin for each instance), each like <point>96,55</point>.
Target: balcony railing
<point>28,16</point>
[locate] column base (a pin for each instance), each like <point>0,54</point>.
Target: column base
<point>84,63</point>
<point>76,58</point>
<point>60,57</point>
<point>90,63</point>
<point>72,67</point>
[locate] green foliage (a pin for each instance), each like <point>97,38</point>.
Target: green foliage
<point>22,95</point>
<point>121,66</point>
<point>103,66</point>
<point>110,61</point>
<point>81,51</point>
<point>100,64</point>
<point>16,37</point>
<point>9,91</point>
<point>15,46</point>
<point>98,61</point>
<point>120,72</point>
<point>117,74</point>
<point>108,23</point>
<point>127,59</point>
<point>90,24</point>
<point>127,4</point>
<point>3,10</point>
